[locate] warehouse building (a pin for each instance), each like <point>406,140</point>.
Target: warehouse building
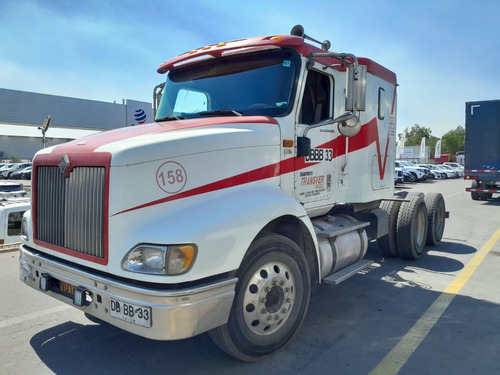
<point>22,114</point>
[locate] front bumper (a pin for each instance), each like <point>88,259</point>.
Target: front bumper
<point>175,314</point>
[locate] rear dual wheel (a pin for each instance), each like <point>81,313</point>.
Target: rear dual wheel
<point>413,224</point>
<point>391,243</point>
<point>436,217</point>
<point>412,227</point>
<point>476,195</point>
<point>388,244</point>
<point>271,300</point>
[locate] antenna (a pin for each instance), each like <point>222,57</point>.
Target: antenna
<point>298,30</point>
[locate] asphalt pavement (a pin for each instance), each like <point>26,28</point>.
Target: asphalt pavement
<point>437,315</point>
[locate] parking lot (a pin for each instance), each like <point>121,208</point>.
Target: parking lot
<point>437,315</point>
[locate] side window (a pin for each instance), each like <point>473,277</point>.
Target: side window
<point>190,102</point>
<point>14,223</point>
<point>381,103</point>
<point>316,99</point>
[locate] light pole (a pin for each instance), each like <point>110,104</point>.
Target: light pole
<point>44,128</point>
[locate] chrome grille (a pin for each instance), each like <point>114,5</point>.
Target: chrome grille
<point>70,211</point>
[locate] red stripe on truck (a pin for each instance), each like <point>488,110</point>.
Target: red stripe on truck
<point>366,136</point>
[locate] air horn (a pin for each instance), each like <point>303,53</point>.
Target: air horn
<point>298,30</point>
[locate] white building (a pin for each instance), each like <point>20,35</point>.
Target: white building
<point>22,113</point>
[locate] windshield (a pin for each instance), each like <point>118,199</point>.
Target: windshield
<point>260,83</point>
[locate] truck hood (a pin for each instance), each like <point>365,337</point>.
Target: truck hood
<point>149,142</point>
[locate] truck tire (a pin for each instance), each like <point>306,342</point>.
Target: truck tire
<point>388,244</point>
<point>412,228</point>
<point>411,194</point>
<point>479,196</point>
<point>271,300</point>
<point>436,217</point>
<point>474,194</point>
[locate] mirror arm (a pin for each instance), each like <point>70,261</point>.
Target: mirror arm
<point>339,56</point>
<point>327,121</point>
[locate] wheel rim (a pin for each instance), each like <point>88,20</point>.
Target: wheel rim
<point>420,235</point>
<point>268,298</point>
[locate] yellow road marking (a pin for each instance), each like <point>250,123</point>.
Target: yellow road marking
<point>399,355</point>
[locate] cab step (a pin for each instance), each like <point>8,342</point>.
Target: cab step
<point>347,272</point>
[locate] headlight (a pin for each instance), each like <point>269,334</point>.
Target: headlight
<point>156,259</point>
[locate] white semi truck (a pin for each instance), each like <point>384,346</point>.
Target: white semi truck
<point>269,168</point>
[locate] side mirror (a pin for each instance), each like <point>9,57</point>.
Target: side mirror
<point>303,146</point>
<point>348,124</point>
<point>157,93</point>
<point>356,88</point>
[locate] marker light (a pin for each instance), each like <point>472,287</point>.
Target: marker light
<point>179,259</point>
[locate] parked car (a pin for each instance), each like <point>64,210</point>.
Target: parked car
<point>6,172</point>
<point>459,169</point>
<point>5,167</point>
<point>419,173</point>
<point>434,168</point>
<point>408,176</point>
<point>434,173</point>
<point>399,176</point>
<point>17,175</point>
<point>454,165</point>
<point>449,172</point>
<point>26,174</point>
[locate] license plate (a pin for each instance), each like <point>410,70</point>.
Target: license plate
<point>67,287</point>
<point>131,313</point>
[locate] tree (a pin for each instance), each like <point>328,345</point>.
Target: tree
<point>15,158</point>
<point>453,141</point>
<point>416,133</point>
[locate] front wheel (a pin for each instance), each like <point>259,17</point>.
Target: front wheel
<point>271,301</point>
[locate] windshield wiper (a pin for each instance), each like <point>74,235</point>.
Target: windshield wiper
<point>169,118</point>
<point>221,112</point>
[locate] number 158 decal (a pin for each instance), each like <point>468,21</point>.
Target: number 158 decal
<point>320,154</point>
<point>171,177</point>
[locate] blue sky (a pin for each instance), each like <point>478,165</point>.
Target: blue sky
<point>444,52</point>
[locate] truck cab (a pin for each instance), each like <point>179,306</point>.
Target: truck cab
<point>268,169</point>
